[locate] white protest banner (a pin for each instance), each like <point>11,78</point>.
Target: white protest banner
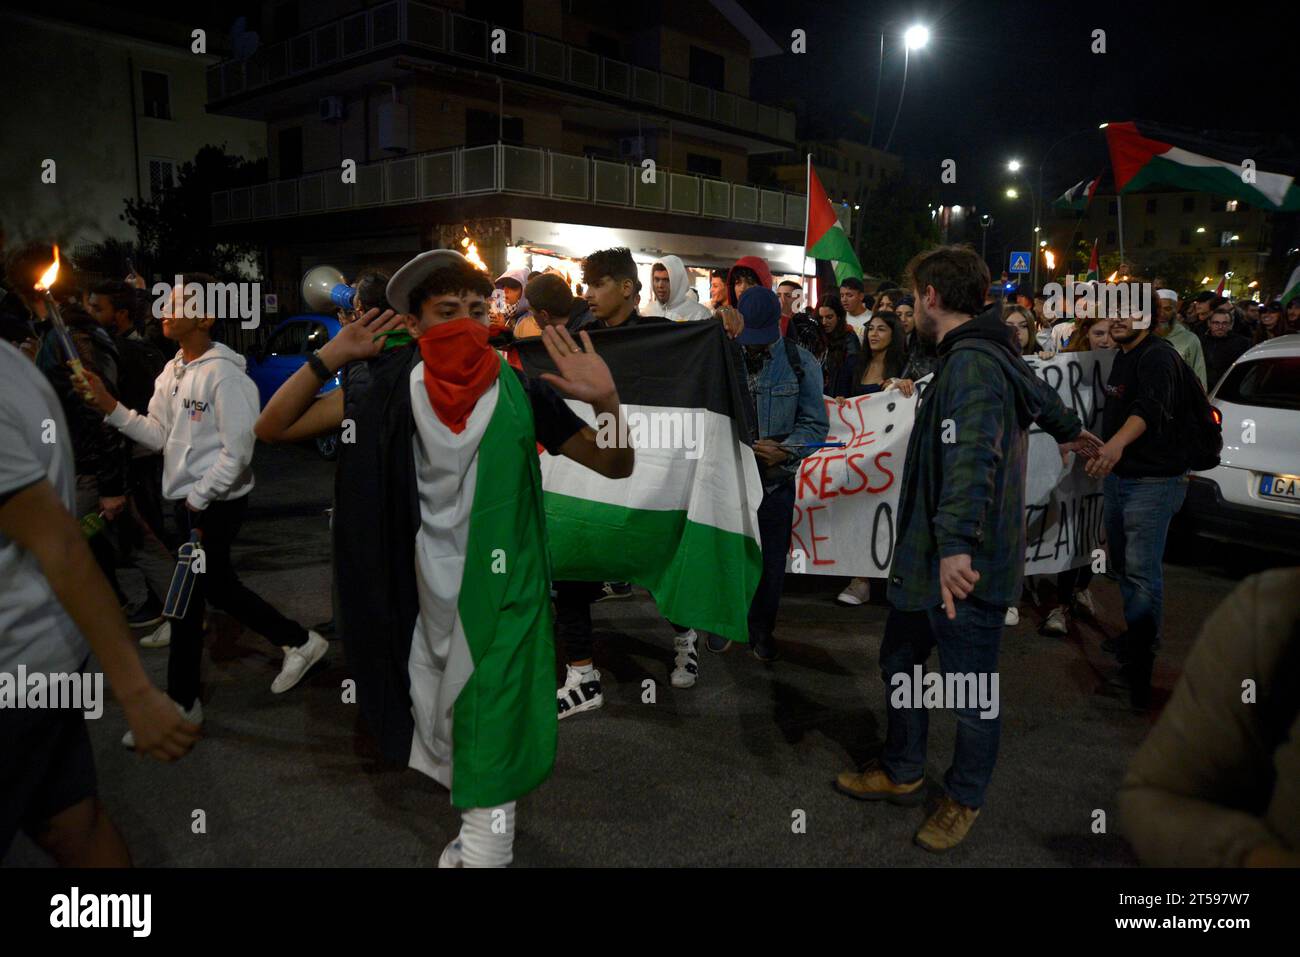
<point>846,500</point>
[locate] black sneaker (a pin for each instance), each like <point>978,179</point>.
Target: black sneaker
<point>146,616</point>
<point>764,649</point>
<point>613,590</point>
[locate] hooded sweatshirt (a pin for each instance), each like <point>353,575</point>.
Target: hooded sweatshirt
<point>963,488</point>
<point>680,307</point>
<point>758,265</point>
<point>201,418</point>
<point>521,308</point>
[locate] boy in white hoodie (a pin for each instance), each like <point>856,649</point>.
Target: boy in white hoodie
<point>201,417</point>
<point>670,285</point>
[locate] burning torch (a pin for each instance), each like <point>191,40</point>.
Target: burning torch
<point>43,285</point>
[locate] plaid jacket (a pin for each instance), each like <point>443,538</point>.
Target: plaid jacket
<point>963,488</point>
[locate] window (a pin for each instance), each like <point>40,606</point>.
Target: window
<point>1148,237</point>
<point>1228,238</point>
<point>1151,205</point>
<point>162,175</point>
<point>289,151</point>
<point>297,338</point>
<point>481,128</point>
<point>707,69</point>
<point>1230,206</point>
<point>703,165</point>
<point>1184,237</point>
<point>155,89</point>
<point>1267,383</point>
<point>1189,204</point>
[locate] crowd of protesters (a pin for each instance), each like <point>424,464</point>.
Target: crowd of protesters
<point>164,415</point>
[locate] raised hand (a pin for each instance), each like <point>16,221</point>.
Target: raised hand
<point>361,339</point>
<point>583,375</point>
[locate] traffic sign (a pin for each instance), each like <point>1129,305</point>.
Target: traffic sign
<point>1020,263</point>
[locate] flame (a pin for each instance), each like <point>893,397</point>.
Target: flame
<point>50,275</point>
<point>471,253</point>
<point>1051,259</point>
<point>1111,277</point>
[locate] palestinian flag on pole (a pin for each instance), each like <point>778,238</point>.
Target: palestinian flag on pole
<point>1094,265</point>
<point>1292,287</point>
<point>684,525</point>
<point>1078,196</point>
<point>824,238</point>
<point>1139,162</point>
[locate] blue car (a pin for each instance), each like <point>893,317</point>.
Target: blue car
<point>285,352</point>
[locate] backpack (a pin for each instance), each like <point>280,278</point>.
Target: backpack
<point>1196,423</point>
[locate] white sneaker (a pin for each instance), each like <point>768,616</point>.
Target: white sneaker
<point>1083,600</point>
<point>686,666</point>
<point>298,661</point>
<point>451,855</point>
<point>857,593</point>
<point>1013,616</point>
<point>1057,623</point>
<point>160,637</point>
<point>194,716</point>
<point>580,692</point>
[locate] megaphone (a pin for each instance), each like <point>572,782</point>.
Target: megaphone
<point>324,290</point>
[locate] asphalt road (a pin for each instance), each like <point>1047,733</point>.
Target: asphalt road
<point>714,775</point>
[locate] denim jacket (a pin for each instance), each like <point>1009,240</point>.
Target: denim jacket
<point>789,411</point>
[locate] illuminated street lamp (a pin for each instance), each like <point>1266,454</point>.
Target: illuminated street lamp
<point>916,36</point>
<point>1014,166</point>
<point>1011,193</point>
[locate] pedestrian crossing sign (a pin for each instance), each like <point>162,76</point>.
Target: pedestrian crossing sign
<point>1019,263</point>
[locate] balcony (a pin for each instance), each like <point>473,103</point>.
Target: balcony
<point>403,25</point>
<point>515,170</point>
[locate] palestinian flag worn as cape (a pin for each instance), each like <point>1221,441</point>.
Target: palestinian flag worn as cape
<point>825,237</point>
<point>684,525</point>
<point>1140,162</point>
<point>1079,195</point>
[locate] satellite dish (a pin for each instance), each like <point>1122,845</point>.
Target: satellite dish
<point>324,289</point>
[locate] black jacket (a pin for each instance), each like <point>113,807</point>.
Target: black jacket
<point>1220,354</point>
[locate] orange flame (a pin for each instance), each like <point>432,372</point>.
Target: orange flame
<point>471,253</point>
<point>1111,277</point>
<point>1051,259</point>
<point>50,275</point>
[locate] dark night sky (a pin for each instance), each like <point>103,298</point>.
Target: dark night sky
<point>1007,78</point>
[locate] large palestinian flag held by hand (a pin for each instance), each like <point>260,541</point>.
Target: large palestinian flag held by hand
<point>824,238</point>
<point>684,525</point>
<point>1140,161</point>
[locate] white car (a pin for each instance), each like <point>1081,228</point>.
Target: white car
<point>1253,496</point>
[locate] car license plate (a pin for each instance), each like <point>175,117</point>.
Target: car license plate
<point>1279,486</point>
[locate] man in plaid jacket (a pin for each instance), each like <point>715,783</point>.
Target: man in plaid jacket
<point>959,559</point>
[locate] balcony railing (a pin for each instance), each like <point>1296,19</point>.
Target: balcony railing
<point>521,170</point>
<point>548,61</point>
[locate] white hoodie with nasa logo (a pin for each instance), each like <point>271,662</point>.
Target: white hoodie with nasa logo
<point>201,418</point>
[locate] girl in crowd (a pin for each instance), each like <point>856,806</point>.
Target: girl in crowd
<point>842,347</point>
<point>1271,325</point>
<point>882,357</point>
<point>922,356</point>
<point>885,301</point>
<point>878,366</point>
<point>1026,328</point>
<point>1093,333</point>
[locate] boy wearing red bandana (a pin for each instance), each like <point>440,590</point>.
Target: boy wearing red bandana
<point>447,617</point>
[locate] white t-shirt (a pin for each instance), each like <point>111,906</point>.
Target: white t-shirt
<point>34,444</point>
<point>859,323</point>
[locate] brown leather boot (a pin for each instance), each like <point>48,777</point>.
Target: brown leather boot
<point>872,783</point>
<point>947,826</point>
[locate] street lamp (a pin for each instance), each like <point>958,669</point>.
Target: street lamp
<point>1011,193</point>
<point>1014,166</point>
<point>916,36</point>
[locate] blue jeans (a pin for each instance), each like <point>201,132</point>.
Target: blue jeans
<point>967,644</point>
<point>1138,512</point>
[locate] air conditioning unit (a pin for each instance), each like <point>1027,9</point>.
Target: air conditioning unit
<point>331,109</point>
<point>631,147</point>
